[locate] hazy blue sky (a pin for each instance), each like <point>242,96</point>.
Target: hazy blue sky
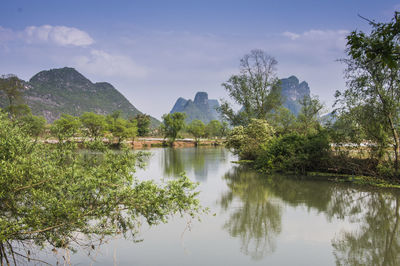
<point>155,51</point>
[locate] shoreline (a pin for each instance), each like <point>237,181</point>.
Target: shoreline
<point>142,143</point>
<point>336,177</point>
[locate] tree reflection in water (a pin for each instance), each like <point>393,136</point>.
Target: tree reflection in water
<point>200,160</point>
<point>376,240</point>
<point>172,162</point>
<point>257,221</point>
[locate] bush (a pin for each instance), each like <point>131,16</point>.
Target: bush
<point>247,141</point>
<point>294,152</point>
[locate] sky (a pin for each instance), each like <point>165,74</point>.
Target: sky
<point>156,51</point>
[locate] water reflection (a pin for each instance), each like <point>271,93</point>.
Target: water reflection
<point>376,241</point>
<point>257,222</point>
<point>255,205</point>
<point>172,162</point>
<point>199,160</point>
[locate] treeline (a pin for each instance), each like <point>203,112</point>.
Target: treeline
<point>95,126</point>
<point>360,137</point>
<point>174,126</point>
<point>89,124</point>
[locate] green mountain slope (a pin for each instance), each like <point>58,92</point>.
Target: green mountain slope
<point>53,92</point>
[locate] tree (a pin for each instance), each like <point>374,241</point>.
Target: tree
<point>247,141</point>
<point>143,124</point>
<point>66,127</point>
<point>257,89</point>
<point>172,124</point>
<point>33,125</point>
<point>213,129</point>
<point>282,120</point>
<point>115,115</point>
<point>197,129</point>
<point>11,87</point>
<point>94,124</point>
<point>307,119</point>
<point>64,198</point>
<point>373,94</point>
<point>224,129</point>
<point>123,129</point>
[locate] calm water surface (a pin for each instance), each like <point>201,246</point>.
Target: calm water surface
<point>261,220</point>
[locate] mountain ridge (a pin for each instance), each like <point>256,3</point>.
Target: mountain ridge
<point>64,90</point>
<point>200,108</point>
<point>292,91</point>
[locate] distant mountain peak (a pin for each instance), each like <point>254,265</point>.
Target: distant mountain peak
<point>201,97</point>
<point>65,90</point>
<point>59,73</point>
<point>200,108</point>
<point>292,92</point>
<point>293,79</point>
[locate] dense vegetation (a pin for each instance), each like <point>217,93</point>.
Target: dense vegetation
<point>64,198</point>
<point>364,137</point>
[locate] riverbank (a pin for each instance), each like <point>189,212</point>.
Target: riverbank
<point>142,143</point>
<point>335,177</point>
<point>179,143</point>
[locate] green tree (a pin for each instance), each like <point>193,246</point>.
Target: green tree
<point>49,195</point>
<point>373,94</point>
<point>143,124</point>
<point>172,124</point>
<point>282,120</point>
<point>123,129</point>
<point>213,129</point>
<point>94,124</point>
<point>224,129</point>
<point>257,89</point>
<point>66,127</point>
<point>197,129</point>
<point>11,87</point>
<point>307,120</point>
<point>247,141</point>
<point>33,125</point>
<point>115,115</point>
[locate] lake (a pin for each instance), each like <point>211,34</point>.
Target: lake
<point>260,219</point>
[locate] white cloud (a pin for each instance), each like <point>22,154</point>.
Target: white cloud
<point>59,35</point>
<point>326,38</point>
<point>291,35</point>
<point>102,63</point>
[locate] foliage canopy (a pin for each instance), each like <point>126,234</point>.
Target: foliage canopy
<point>372,98</point>
<point>257,89</point>
<point>172,124</point>
<point>51,196</point>
<point>197,129</point>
